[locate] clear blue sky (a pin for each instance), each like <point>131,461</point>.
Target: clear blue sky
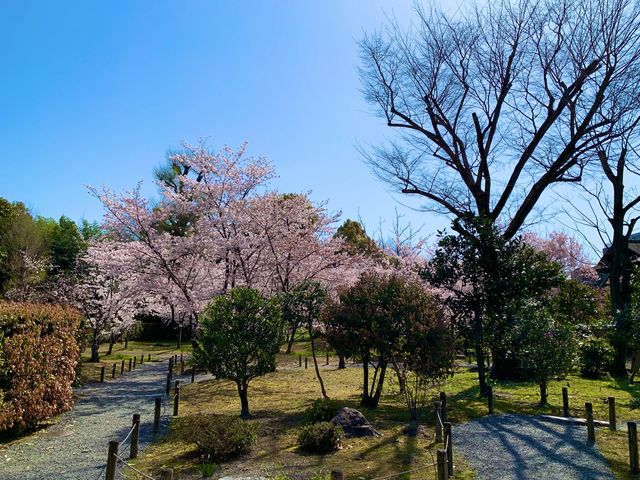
<point>95,92</point>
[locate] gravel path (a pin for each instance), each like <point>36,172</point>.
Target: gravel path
<point>76,447</point>
<point>527,448</point>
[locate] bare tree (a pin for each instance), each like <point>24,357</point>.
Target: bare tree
<point>500,103</point>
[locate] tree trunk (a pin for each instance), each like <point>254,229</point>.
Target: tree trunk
<point>292,339</point>
<point>95,344</point>
<point>111,342</point>
<point>243,391</point>
<point>315,364</point>
<point>480,359</point>
<point>635,365</point>
<point>341,362</point>
<point>378,392</point>
<point>179,337</point>
<point>543,393</point>
<point>365,380</point>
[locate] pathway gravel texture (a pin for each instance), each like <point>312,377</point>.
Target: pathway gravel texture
<point>527,448</point>
<point>76,447</point>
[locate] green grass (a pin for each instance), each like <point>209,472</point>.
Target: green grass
<point>90,371</point>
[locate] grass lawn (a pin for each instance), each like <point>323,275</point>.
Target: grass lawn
<point>278,402</point>
<point>90,372</point>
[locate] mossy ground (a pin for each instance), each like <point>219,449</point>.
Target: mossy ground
<point>278,401</point>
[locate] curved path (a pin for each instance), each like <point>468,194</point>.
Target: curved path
<point>518,447</point>
<point>76,447</point>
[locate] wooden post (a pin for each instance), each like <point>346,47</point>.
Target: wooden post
<point>299,360</point>
<point>149,358</point>
<point>443,406</point>
<point>443,471</point>
<point>156,414</point>
<point>181,359</point>
<point>612,414</point>
<point>436,406</point>
<point>122,368</point>
<point>336,474</point>
<point>632,429</point>
<point>166,474</point>
<point>168,382</point>
<point>193,372</point>
<point>176,400</point>
<point>449,443</point>
<point>113,371</point>
<point>565,402</point>
<point>591,432</point>
<point>126,344</point>
<point>135,360</point>
<point>306,361</point>
<point>102,374</point>
<point>129,364</point>
<point>112,460</point>
<point>327,357</point>
<point>490,400</point>
<point>135,436</point>
<point>181,365</point>
<point>171,364</point>
<point>141,359</point>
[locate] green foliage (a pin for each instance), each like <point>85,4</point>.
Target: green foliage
<point>322,410</point>
<point>240,334</point>
<point>357,240</point>
<point>221,437</point>
<point>322,437</point>
<point>39,350</point>
<point>65,245</point>
<point>596,357</point>
<point>208,469</point>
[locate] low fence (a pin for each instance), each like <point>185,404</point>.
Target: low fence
<point>133,362</point>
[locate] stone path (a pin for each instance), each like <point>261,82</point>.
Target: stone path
<point>518,447</point>
<point>76,447</point>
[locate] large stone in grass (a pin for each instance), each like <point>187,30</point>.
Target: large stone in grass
<point>353,423</point>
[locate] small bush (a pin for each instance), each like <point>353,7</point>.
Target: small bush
<point>222,437</point>
<point>322,437</point>
<point>322,410</point>
<point>596,357</point>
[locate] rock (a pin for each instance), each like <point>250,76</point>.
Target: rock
<point>353,423</point>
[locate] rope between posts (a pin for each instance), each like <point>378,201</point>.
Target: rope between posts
<point>424,467</point>
<point>134,468</point>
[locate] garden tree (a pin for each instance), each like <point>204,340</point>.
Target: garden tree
<point>238,339</point>
<point>306,302</point>
<point>65,244</point>
<point>488,278</point>
<point>374,319</point>
<point>106,292</point>
<point>499,103</point>
<point>567,252</point>
<point>546,346</point>
<point>356,239</point>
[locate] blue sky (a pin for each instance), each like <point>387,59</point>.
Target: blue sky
<point>96,92</point>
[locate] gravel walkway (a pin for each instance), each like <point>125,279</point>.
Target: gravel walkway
<point>527,448</point>
<point>76,447</point>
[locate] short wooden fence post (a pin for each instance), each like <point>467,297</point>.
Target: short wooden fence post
<point>176,399</point>
<point>443,471</point>
<point>591,432</point>
<point>149,358</point>
<point>336,474</point>
<point>181,366</point>
<point>171,364</point>
<point>156,414</point>
<point>102,374</point>
<point>612,414</point>
<point>166,474</point>
<point>443,406</point>
<point>449,444</point>
<point>113,371</point>
<point>306,361</point>
<point>122,368</point>
<point>193,372</point>
<point>490,400</point>
<point>135,361</point>
<point>632,430</point>
<point>327,358</point>
<point>565,402</point>
<point>141,359</point>
<point>299,360</point>
<point>168,382</point>
<point>112,460</point>
<point>436,405</point>
<point>135,436</point>
<point>130,364</point>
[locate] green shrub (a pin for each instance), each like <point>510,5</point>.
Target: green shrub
<point>222,437</point>
<point>39,352</point>
<point>322,410</point>
<point>596,357</point>
<point>319,437</point>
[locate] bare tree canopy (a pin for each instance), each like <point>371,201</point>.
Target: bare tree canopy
<point>502,102</point>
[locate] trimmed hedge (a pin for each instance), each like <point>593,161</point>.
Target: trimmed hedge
<point>38,356</point>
